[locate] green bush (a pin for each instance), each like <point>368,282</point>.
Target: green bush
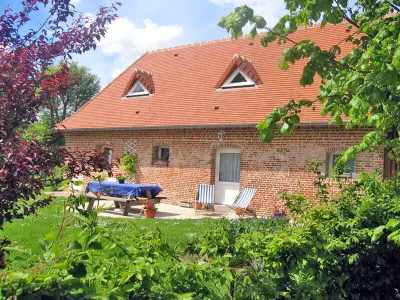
<point>347,248</point>
<point>128,164</point>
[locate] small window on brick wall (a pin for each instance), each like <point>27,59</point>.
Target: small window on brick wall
<point>349,168</point>
<point>108,152</point>
<point>160,155</point>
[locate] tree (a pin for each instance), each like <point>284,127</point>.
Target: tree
<point>358,89</point>
<point>85,86</point>
<point>39,130</point>
<point>26,85</point>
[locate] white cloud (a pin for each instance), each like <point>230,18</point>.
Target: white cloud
<point>271,10</point>
<point>90,19</point>
<point>116,72</point>
<point>75,2</point>
<point>128,40</point>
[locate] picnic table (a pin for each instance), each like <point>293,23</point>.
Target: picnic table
<point>112,189</point>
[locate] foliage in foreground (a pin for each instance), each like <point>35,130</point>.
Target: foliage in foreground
<point>27,86</point>
<point>345,249</point>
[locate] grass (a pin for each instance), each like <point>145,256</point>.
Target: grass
<point>29,231</point>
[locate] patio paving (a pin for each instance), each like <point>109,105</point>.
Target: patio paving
<point>165,211</point>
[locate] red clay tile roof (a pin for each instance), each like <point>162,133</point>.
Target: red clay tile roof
<point>184,81</point>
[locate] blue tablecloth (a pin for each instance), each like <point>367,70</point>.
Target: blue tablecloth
<point>125,189</point>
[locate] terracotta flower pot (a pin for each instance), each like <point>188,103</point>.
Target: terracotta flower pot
<point>150,213</point>
<point>239,211</point>
<point>197,205</point>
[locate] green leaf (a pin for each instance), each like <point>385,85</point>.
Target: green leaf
<point>260,22</point>
<point>253,32</point>
<point>78,182</point>
<point>339,120</point>
<point>396,59</point>
<point>286,129</point>
<point>377,233</point>
<point>95,245</point>
<point>78,270</point>
<point>18,275</point>
<point>260,126</point>
<point>51,236</point>
<point>267,135</point>
<point>392,224</point>
<point>75,245</point>
<point>395,237</point>
<point>283,65</point>
<point>295,119</point>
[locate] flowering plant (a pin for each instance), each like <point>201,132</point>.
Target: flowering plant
<point>149,204</point>
<point>120,176</point>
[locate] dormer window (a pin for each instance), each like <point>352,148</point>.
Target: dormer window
<point>137,89</point>
<point>238,78</point>
<point>239,73</point>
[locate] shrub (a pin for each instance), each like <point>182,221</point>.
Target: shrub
<point>128,163</point>
<point>347,248</point>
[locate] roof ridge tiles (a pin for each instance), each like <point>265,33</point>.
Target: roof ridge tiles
<point>227,39</point>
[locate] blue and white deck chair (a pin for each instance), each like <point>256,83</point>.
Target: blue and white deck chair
<point>243,199</point>
<point>205,195</point>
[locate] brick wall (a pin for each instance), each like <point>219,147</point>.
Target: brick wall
<point>267,167</point>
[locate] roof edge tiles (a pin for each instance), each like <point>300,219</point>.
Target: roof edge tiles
<point>227,39</point>
<point>208,126</point>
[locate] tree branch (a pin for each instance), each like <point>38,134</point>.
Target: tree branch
<point>346,17</point>
<point>281,36</point>
<point>394,7</point>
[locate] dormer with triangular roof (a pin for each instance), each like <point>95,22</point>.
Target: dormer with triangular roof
<point>239,73</point>
<point>140,84</point>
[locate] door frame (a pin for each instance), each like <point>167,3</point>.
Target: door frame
<point>217,166</point>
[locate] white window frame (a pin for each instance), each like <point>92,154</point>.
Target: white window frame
<point>330,165</point>
<point>109,155</point>
<point>159,151</point>
<point>228,83</point>
<point>132,94</point>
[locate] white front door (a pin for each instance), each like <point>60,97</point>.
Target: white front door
<point>227,177</point>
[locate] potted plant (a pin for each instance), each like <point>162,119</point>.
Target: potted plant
<point>150,209</point>
<point>197,205</point>
<point>240,211</point>
<point>120,177</point>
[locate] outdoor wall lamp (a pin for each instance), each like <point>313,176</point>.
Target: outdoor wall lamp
<point>221,134</point>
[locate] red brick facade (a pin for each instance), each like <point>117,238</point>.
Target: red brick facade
<point>267,167</point>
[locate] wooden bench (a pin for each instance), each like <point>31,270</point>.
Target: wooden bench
<point>117,200</point>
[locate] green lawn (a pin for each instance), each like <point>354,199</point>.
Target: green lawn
<point>29,231</point>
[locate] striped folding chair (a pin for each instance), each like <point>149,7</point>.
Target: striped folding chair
<point>243,199</point>
<point>205,195</point>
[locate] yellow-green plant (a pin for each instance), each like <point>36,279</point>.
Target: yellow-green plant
<point>128,165</point>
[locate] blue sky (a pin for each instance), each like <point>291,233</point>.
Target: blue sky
<point>152,24</point>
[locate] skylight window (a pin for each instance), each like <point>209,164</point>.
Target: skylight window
<point>238,79</point>
<point>138,89</point>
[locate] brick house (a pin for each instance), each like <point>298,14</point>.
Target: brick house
<point>189,114</point>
